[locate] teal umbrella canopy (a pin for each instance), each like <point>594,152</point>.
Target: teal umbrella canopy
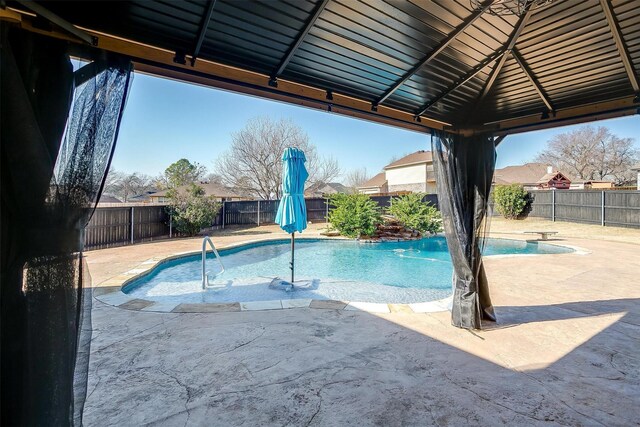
<point>292,211</point>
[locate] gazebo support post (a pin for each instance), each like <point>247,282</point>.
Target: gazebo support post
<point>464,167</point>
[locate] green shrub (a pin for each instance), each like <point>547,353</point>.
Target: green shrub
<point>354,215</point>
<point>510,200</point>
<point>191,209</point>
<point>413,213</point>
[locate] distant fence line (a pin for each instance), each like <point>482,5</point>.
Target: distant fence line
<point>115,225</point>
<point>603,207</point>
<point>123,225</point>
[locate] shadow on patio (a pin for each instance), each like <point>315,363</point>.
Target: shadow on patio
<point>572,364</point>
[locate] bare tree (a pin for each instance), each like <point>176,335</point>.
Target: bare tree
<point>590,153</point>
<point>160,182</point>
<point>253,164</point>
<point>111,181</point>
<point>356,177</point>
<point>126,185</point>
<point>212,177</point>
<point>325,169</point>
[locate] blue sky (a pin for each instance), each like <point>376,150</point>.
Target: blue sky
<point>165,120</point>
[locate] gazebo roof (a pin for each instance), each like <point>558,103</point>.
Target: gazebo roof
<point>420,65</point>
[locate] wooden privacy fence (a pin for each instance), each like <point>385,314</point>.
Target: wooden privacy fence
<point>117,226</point>
<point>612,208</point>
<point>125,225</point>
<point>259,212</point>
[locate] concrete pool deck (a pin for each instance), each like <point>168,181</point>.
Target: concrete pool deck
<point>564,351</point>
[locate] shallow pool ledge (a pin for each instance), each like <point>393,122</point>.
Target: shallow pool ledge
<point>116,298</point>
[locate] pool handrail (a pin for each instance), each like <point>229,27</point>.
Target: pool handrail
<point>205,274</point>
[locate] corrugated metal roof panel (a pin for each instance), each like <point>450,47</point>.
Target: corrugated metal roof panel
<point>363,48</point>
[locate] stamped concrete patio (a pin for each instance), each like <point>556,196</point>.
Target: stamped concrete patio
<point>564,351</point>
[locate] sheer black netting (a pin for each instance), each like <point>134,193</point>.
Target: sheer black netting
<point>464,168</point>
<point>58,135</point>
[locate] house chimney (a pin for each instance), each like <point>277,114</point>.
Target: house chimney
<point>549,169</point>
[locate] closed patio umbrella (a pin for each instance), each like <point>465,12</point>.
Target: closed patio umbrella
<point>292,211</point>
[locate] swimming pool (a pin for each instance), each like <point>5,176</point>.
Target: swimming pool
<point>390,272</point>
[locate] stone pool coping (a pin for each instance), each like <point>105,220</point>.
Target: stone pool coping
<point>111,291</point>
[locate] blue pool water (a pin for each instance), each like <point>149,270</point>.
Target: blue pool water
<point>392,272</point>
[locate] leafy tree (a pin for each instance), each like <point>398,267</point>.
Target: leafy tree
<point>510,200</point>
<point>590,153</point>
<point>253,164</point>
<point>413,213</point>
<point>183,172</point>
<point>191,209</point>
<point>354,215</point>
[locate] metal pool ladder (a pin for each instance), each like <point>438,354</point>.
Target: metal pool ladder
<point>205,274</point>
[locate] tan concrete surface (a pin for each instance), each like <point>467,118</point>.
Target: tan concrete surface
<point>501,226</point>
<point>564,352</point>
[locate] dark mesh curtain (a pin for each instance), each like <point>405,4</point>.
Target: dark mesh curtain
<point>464,170</point>
<point>57,143</point>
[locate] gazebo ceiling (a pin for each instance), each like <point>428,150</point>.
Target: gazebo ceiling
<point>449,64</point>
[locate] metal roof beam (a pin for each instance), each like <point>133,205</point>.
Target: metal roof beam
<point>511,43</point>
<point>206,18</point>
<point>513,38</point>
<point>55,19</point>
<point>292,50</point>
<point>493,76</point>
<point>622,49</point>
<point>503,52</point>
<point>532,78</point>
<point>435,52</point>
<point>565,116</point>
<point>462,81</point>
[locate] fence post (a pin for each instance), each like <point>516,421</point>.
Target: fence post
<point>131,213</point>
<point>223,205</point>
<point>258,213</point>
<point>602,210</point>
<point>553,205</point>
<point>326,211</point>
<point>170,226</point>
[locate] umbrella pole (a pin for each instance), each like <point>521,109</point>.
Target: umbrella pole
<point>293,245</point>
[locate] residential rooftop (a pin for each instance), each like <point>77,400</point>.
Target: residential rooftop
<point>549,176</point>
<point>210,189</point>
<point>377,180</point>
<point>416,158</point>
<point>529,173</point>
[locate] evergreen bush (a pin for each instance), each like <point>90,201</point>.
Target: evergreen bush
<point>191,209</point>
<point>413,213</point>
<point>510,200</point>
<point>354,215</point>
